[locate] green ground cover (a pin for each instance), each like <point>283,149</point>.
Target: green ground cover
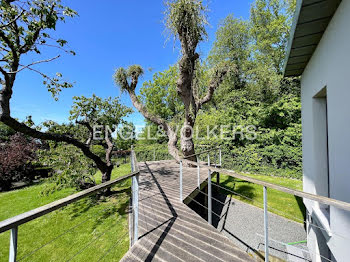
<point>82,231</point>
<point>280,203</point>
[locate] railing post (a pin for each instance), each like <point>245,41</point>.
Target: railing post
<point>209,198</point>
<point>209,192</point>
<point>266,226</point>
<point>215,157</point>
<point>135,198</point>
<point>198,175</point>
<point>218,174</point>
<point>180,180</point>
<point>13,245</point>
<point>220,156</point>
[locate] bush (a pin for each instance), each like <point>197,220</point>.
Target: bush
<point>15,160</point>
<point>152,152</point>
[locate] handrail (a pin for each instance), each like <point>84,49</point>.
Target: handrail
<point>135,161</point>
<point>40,211</point>
<point>321,199</point>
<point>203,152</point>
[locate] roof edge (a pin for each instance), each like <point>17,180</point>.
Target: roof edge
<point>299,4</point>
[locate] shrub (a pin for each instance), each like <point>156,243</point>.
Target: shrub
<point>15,160</point>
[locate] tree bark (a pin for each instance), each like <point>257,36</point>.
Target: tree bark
<point>171,134</point>
<point>107,175</point>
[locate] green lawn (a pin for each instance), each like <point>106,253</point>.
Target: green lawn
<point>283,204</point>
<point>89,226</point>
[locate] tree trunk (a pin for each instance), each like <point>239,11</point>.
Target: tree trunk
<point>172,144</point>
<point>106,176</point>
<point>187,145</point>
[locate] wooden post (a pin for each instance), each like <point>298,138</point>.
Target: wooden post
<point>13,244</point>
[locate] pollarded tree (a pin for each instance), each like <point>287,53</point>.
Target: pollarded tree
<point>24,30</point>
<point>186,21</point>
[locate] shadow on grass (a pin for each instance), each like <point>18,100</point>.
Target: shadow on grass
<point>246,189</point>
<point>117,203</point>
<point>239,186</point>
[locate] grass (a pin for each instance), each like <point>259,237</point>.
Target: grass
<point>280,203</point>
<point>89,226</point>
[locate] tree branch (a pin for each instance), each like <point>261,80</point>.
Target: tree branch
<point>20,127</point>
<point>217,79</point>
<point>35,63</point>
<point>9,44</point>
<point>91,131</point>
<point>109,149</point>
<point>172,143</point>
<point>13,20</point>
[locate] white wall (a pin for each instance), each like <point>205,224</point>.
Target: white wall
<point>330,67</point>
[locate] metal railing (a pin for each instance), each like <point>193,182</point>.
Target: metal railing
<point>135,196</point>
<point>217,167</point>
<point>13,223</point>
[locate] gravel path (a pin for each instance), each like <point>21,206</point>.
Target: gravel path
<point>244,225</point>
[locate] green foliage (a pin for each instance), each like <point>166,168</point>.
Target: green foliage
<point>69,129</point>
<point>189,14</point>
<point>5,132</point>
<point>26,27</point>
<point>257,94</point>
<point>98,111</point>
<point>122,76</point>
<point>254,94</point>
<point>70,166</point>
<point>270,25</point>
<point>159,94</point>
<point>152,152</point>
<point>152,134</point>
<point>126,137</point>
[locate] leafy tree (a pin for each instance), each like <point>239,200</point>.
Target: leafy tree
<point>232,44</point>
<point>5,132</point>
<point>126,137</point>
<point>15,157</point>
<point>186,21</point>
<point>100,118</point>
<point>71,168</point>
<point>25,29</point>
<point>258,95</point>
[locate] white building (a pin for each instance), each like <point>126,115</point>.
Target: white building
<point>319,52</point>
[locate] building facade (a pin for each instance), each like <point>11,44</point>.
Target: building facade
<point>319,52</point>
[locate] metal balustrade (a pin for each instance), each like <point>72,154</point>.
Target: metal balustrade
<point>214,167</point>
<point>13,224</point>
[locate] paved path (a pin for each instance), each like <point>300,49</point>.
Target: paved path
<point>244,225</point>
<point>169,230</point>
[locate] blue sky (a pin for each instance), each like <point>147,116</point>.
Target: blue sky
<point>106,35</point>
